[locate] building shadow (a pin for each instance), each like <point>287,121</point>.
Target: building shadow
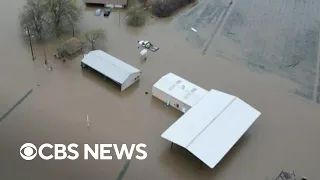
<point>108,84</point>
<point>91,6</point>
<point>180,159</point>
<point>158,104</point>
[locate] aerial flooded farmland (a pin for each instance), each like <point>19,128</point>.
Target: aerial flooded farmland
<point>264,52</point>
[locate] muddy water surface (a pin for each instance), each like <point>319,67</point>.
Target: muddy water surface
<point>284,137</point>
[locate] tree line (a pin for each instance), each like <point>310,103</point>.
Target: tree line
<point>49,18</point>
<point>43,19</point>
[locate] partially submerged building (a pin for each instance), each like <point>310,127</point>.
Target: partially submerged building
<point>283,175</point>
<point>111,67</point>
<point>108,3</point>
<point>177,92</point>
<point>213,121</point>
<point>212,126</point>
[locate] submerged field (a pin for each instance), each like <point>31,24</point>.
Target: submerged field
<point>278,37</point>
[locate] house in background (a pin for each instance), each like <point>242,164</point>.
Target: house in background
<point>108,3</point>
<point>118,71</point>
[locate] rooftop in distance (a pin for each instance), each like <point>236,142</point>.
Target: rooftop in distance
<point>106,2</point>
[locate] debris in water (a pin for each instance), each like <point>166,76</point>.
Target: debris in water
<point>98,12</point>
<point>146,93</point>
<point>143,54</point>
<point>167,104</point>
<point>88,122</point>
<point>147,45</point>
<point>194,30</point>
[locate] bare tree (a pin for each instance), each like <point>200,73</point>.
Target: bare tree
<point>32,18</point>
<point>61,11</point>
<point>73,17</point>
<point>93,35</point>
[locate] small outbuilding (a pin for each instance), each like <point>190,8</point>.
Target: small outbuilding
<point>118,71</point>
<point>69,48</point>
<point>177,92</point>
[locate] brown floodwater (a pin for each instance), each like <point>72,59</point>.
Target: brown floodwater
<point>286,136</point>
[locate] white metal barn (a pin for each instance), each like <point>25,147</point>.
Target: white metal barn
<point>112,68</point>
<point>177,92</point>
<point>212,126</point>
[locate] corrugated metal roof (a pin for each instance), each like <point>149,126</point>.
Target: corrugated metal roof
<point>211,127</point>
<point>180,89</point>
<point>109,66</point>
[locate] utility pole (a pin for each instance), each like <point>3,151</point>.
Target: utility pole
<point>119,18</point>
<point>30,42</point>
<point>72,30</point>
<point>45,54</point>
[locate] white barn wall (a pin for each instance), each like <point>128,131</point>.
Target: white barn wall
<point>180,91</point>
<point>160,94</point>
<point>132,79</point>
<point>173,101</point>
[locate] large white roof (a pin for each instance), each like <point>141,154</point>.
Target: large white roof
<point>180,89</point>
<point>109,66</point>
<point>211,127</point>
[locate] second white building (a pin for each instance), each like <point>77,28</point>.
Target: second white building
<point>178,92</point>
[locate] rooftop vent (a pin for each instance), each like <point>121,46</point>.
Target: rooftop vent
<point>174,85</point>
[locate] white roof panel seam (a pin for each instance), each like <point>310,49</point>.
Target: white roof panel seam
<point>212,127</point>
<point>211,122</point>
<point>119,67</point>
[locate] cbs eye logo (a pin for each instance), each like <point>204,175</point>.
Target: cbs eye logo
<point>28,151</point>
